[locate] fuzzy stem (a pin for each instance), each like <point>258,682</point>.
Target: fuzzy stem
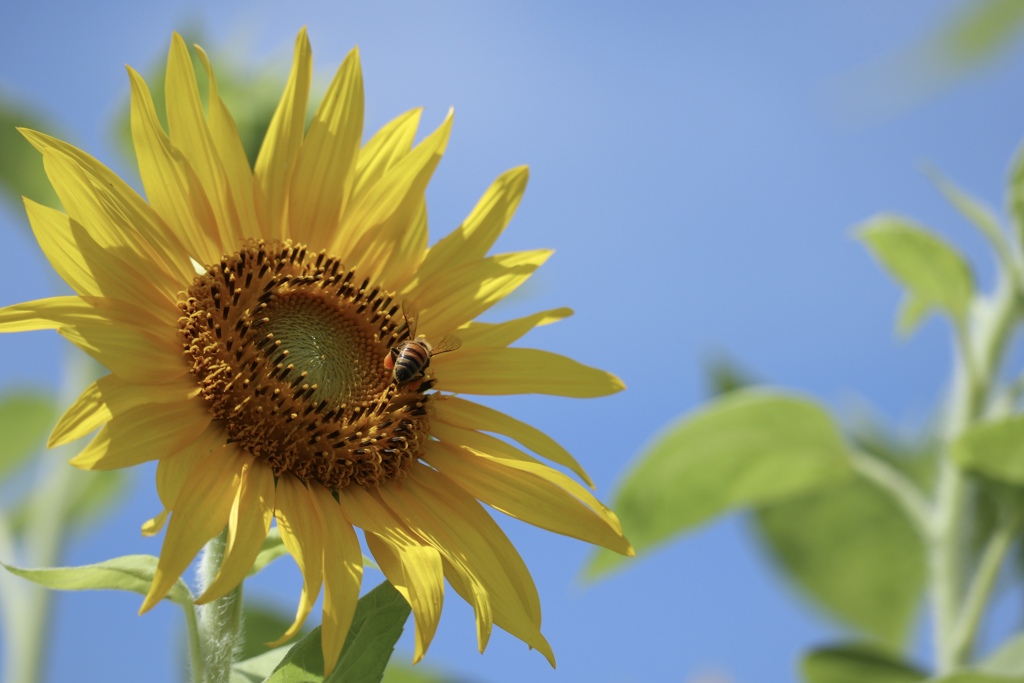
<point>903,491</point>
<point>220,622</point>
<point>983,582</point>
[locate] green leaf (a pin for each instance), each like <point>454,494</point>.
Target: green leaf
<point>273,548</point>
<point>976,677</point>
<point>404,673</point>
<point>748,448</point>
<point>379,620</point>
<point>995,449</point>
<point>21,173</point>
<point>981,216</point>
<point>256,669</point>
<point>1008,660</point>
<point>263,624</point>
<point>853,551</point>
<point>857,664</point>
<point>129,573</point>
<point>979,32</point>
<point>934,273</point>
<point>26,417</point>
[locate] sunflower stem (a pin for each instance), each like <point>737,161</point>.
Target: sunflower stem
<point>220,621</point>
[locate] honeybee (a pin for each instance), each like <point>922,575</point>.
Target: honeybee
<point>411,357</point>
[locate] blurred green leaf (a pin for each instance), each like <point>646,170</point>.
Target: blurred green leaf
<point>748,448</point>
<point>26,417</point>
<point>256,669</point>
<point>273,548</point>
<point>263,624</point>
<point>857,664</point>
<point>1008,660</point>
<point>379,620</point>
<point>102,490</point>
<point>995,449</point>
<point>976,677</point>
<point>979,215</point>
<point>405,673</point>
<point>722,376</point>
<point>128,573</point>
<point>934,273</point>
<point>21,173</point>
<point>852,549</point>
<point>979,32</point>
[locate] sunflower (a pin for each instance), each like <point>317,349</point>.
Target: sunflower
<point>251,318</point>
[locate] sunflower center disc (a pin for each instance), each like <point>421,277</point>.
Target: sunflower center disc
<point>288,348</point>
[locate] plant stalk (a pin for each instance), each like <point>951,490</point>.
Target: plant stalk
<point>220,621</point>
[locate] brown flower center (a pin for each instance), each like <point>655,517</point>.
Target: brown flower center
<point>289,349</point>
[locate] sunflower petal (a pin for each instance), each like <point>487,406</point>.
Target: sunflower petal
<point>113,213</point>
<point>343,574</point>
<point>456,297</point>
<point>492,371</point>
<point>412,566</point>
<point>173,471</point>
<point>191,134</point>
<point>360,232</point>
<point>171,184</point>
<point>468,415</point>
<point>533,493</point>
<point>416,571</point>
<point>389,144</point>
<point>108,396</point>
<point>324,169</point>
<point>229,146</point>
<point>502,334</point>
<point>202,514</point>
<point>248,524</point>
<point>485,223</point>
<point>299,522</point>
<point>284,138</point>
<point>147,432</point>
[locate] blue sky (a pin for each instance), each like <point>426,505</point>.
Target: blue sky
<point>698,168</point>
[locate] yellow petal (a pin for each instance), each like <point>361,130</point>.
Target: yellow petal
<point>172,186</point>
<point>397,255</point>
<point>49,314</point>
<point>232,153</point>
<point>125,338</point>
<point>153,526</point>
<point>113,213</point>
<point>53,231</point>
<point>343,575</point>
<point>417,573</point>
<point>455,297</point>
<point>469,415</point>
<point>248,524</point>
<point>282,142</point>
<point>485,223</point>
<point>462,547</point>
<point>148,432</point>
<point>502,334</point>
<point>174,470</point>
<point>109,396</point>
<point>389,144</point>
<point>299,522</point>
<point>360,232</point>
<point>190,133</point>
<point>492,371</point>
<point>325,167</point>
<point>201,514</point>
<point>531,492</point>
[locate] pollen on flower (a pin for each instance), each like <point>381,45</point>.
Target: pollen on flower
<point>289,348</point>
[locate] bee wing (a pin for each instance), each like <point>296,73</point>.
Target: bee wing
<point>449,342</point>
<point>411,313</point>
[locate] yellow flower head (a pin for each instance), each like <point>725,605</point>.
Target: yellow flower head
<point>273,338</point>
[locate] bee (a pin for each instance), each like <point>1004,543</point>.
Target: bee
<point>411,357</point>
